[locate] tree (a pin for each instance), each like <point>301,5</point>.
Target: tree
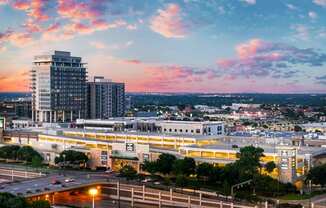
<point>128,172</point>
<point>9,151</point>
<point>208,172</point>
<point>181,181</point>
<point>8,200</point>
<point>27,153</point>
<point>204,170</point>
<point>249,159</point>
<point>165,162</point>
<point>150,167</point>
<point>270,166</point>
<point>317,175</point>
<point>40,204</point>
<point>186,166</point>
<point>36,162</point>
<point>71,157</point>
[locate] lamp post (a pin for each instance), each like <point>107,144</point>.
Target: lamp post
<point>64,163</point>
<point>93,192</point>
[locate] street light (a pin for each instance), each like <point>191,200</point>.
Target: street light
<point>93,192</point>
<point>64,163</point>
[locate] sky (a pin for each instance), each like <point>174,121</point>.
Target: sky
<point>207,46</point>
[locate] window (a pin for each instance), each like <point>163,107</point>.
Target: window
<point>198,131</point>
<point>180,130</point>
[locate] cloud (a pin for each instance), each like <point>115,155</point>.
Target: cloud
<point>98,44</point>
<point>76,11</point>
<point>36,9</point>
<point>312,15</point>
<point>291,6</point>
<point>302,32</point>
<point>249,1</point>
<point>132,61</point>
<point>320,2</point>
<point>18,39</point>
<point>321,80</point>
<point>168,22</point>
<point>260,58</point>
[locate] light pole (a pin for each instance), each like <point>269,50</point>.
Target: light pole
<point>64,163</point>
<point>93,192</point>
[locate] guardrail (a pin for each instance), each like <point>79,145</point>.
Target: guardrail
<point>143,195</point>
<point>19,174</point>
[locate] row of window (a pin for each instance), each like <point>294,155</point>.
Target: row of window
<point>181,130</point>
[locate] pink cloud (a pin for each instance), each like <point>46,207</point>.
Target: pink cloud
<point>98,45</point>
<point>169,23</point>
<point>246,50</point>
<point>77,11</point>
<point>21,4</point>
<point>18,39</point>
<point>34,8</point>
<point>320,2</point>
<point>132,61</point>
<point>31,26</point>
<point>260,58</point>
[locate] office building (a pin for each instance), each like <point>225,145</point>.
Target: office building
<point>58,83</point>
<point>105,98</point>
<point>191,127</point>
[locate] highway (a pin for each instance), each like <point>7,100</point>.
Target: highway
<point>45,184</point>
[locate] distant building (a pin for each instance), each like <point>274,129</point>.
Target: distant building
<point>105,98</point>
<point>191,127</point>
<point>58,83</point>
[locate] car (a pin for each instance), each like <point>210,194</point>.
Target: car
<point>68,180</point>
<point>109,171</point>
<point>146,180</point>
<point>56,182</point>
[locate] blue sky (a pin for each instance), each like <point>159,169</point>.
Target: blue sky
<point>173,46</point>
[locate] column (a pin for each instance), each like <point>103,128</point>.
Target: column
<point>50,116</point>
<point>159,200</point>
<point>55,116</point>
<point>41,116</point>
<point>132,197</point>
<point>63,116</point>
<point>79,114</point>
<point>32,115</point>
<point>71,115</point>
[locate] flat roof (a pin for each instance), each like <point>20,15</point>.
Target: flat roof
<point>268,149</point>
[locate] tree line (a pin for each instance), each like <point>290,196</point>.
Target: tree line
<point>186,173</point>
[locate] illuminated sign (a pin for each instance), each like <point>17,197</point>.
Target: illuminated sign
<point>130,147</point>
<point>146,157</point>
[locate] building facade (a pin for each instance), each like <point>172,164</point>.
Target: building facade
<point>191,127</point>
<point>105,98</point>
<point>58,84</point>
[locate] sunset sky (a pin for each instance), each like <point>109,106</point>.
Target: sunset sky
<point>173,46</point>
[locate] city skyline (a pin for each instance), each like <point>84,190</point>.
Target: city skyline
<point>173,46</point>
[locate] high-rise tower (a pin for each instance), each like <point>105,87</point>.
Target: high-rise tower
<point>58,83</point>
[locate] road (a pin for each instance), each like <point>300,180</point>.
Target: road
<point>44,184</point>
